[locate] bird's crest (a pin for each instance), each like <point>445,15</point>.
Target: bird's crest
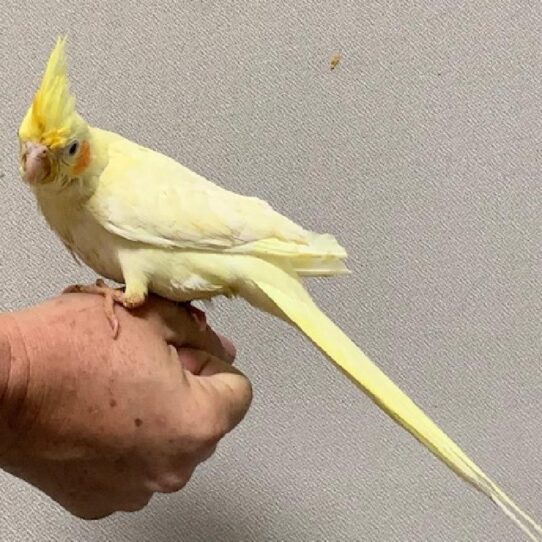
<point>51,119</point>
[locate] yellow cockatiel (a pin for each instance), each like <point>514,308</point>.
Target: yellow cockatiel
<point>140,218</point>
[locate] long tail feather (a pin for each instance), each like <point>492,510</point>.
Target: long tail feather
<point>294,302</point>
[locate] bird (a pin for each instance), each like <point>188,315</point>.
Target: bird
<point>140,218</point>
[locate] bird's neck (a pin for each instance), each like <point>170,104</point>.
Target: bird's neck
<point>63,200</point>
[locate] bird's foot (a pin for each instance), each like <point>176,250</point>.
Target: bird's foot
<point>129,301</point>
<point>111,296</point>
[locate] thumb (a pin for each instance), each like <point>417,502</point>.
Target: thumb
<point>228,391</point>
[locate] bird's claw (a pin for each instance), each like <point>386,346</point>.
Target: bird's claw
<point>111,296</point>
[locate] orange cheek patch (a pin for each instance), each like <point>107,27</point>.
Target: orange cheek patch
<point>83,160</point>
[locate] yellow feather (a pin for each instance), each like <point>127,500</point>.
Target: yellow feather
<point>141,218</point>
<point>52,119</point>
<point>295,304</point>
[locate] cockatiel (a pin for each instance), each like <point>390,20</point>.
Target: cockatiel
<point>141,219</point>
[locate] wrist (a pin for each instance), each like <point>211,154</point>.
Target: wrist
<point>5,359</point>
<point>13,381</point>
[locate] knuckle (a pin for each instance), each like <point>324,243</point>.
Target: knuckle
<point>135,503</point>
<point>210,426</point>
<point>211,431</point>
<point>88,513</point>
<point>171,482</point>
<point>209,452</point>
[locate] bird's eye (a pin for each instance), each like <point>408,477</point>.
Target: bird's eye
<point>73,148</point>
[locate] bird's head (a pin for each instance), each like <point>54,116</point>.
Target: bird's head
<point>54,140</point>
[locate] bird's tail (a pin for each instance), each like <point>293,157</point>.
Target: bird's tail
<point>288,295</point>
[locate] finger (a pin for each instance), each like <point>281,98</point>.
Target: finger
<point>174,477</point>
<point>208,341</point>
<point>192,361</point>
<point>178,327</point>
<point>199,362</point>
<point>87,506</point>
<point>223,393</point>
<point>96,506</point>
<point>226,351</point>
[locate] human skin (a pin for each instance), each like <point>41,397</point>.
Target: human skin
<point>100,424</point>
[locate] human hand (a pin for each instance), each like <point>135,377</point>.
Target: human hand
<point>99,424</point>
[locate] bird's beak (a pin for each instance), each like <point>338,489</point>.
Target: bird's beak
<point>36,163</point>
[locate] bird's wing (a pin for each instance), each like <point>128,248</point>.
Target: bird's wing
<point>147,197</point>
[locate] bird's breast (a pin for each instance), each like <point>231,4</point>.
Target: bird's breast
<point>83,236</point>
<point>97,248</point>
